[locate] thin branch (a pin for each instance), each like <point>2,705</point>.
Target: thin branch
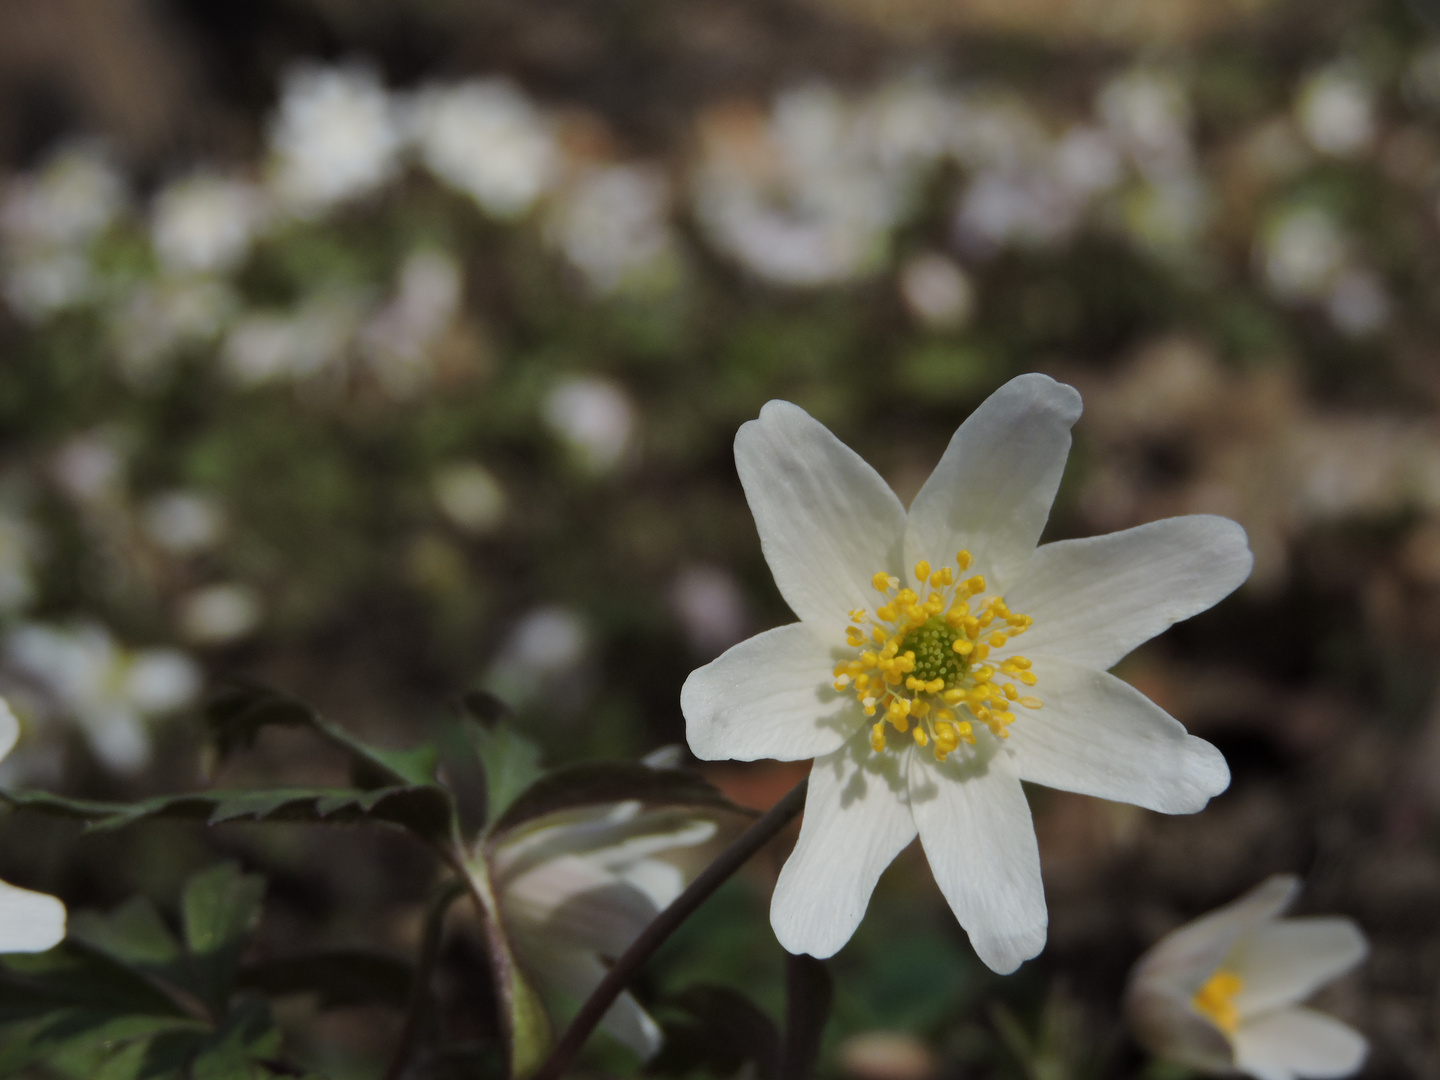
<point>420,986</point>
<point>665,924</point>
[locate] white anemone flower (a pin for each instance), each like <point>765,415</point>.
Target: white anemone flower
<point>900,677</point>
<point>29,921</point>
<point>576,887</point>
<point>1221,994</point>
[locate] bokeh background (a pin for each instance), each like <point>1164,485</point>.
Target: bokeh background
<point>383,350</point>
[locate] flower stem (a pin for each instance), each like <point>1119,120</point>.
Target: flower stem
<point>420,986</point>
<point>665,924</point>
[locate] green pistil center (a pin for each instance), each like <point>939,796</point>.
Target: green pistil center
<point>934,656</point>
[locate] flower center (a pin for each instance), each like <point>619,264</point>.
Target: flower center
<point>924,660</point>
<point>1216,1000</point>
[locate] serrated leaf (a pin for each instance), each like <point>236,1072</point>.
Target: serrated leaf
<point>74,974</point>
<point>239,711</point>
<point>339,978</point>
<point>424,810</point>
<point>511,763</point>
<point>220,908</point>
<point>593,783</point>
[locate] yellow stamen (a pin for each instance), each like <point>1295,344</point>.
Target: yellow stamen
<point>1216,1000</point>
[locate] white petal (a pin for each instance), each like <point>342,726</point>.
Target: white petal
<point>768,697</point>
<point>1098,735</point>
<point>1183,960</point>
<point>9,729</point>
<point>1093,600</point>
<point>1286,961</point>
<point>991,492</point>
<point>29,921</point>
<point>1299,1042</point>
<point>576,974</point>
<point>975,827</point>
<point>827,520</point>
<point>857,819</point>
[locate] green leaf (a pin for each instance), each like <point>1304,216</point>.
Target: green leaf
<point>511,763</point>
<point>221,907</point>
<point>591,783</point>
<point>137,936</point>
<point>425,810</point>
<point>238,1049</point>
<point>238,712</point>
<point>345,977</point>
<point>530,1033</point>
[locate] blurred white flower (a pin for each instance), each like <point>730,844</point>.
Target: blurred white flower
<point>29,921</point>
<point>612,223</point>
<point>593,417</point>
<point>1222,994</point>
<point>937,291</point>
<point>710,606</point>
<point>1029,208</point>
<point>267,347</point>
<point>1087,161</point>
<point>576,887</point>
<point>1335,110</point>
<point>183,522</point>
<point>1149,112</point>
<point>110,692</point>
<point>337,135</point>
<point>487,139</point>
<point>47,222</point>
<point>220,614</point>
<point>469,495</point>
<point>398,339</point>
<point>205,223</point>
<point>807,196</point>
<point>1166,215</point>
<point>547,645</point>
<point>157,320</point>
<point>90,468</point>
<point>1301,252</point>
<point>1358,304</point>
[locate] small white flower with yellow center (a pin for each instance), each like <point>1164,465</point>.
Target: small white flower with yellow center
<point>29,921</point>
<point>908,706</point>
<point>1222,993</point>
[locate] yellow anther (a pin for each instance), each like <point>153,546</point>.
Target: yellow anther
<point>971,626</point>
<point>965,731</point>
<point>913,683</point>
<point>868,658</point>
<point>858,615</point>
<point>1216,1000</point>
<point>1031,702</point>
<point>1028,678</point>
<point>854,637</point>
<point>869,706</point>
<point>942,578</point>
<point>1020,662</point>
<point>885,614</point>
<point>920,708</point>
<point>920,736</point>
<point>975,585</point>
<point>879,635</point>
<point>953,696</point>
<point>1011,692</point>
<point>934,686</point>
<point>922,571</point>
<point>997,639</point>
<point>881,581</point>
<point>906,597</point>
<point>982,651</point>
<point>900,723</point>
<point>983,674</point>
<point>963,559</point>
<point>841,683</point>
<point>962,646</point>
<point>986,618</point>
<point>877,738</point>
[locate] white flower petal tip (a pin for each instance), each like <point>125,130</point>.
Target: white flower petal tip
<point>1222,994</point>
<point>9,729</point>
<point>29,921</point>
<point>915,652</point>
<point>761,699</point>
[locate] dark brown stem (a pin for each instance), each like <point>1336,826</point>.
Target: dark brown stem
<point>665,924</point>
<point>420,987</point>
